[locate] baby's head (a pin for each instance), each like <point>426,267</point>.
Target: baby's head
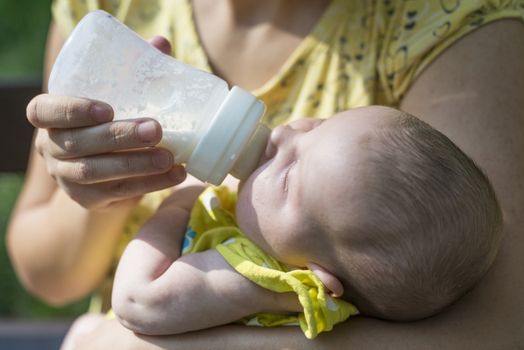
<point>385,205</point>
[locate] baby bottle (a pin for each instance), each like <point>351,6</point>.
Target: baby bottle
<point>211,129</point>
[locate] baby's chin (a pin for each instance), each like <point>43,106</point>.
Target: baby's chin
<point>240,186</point>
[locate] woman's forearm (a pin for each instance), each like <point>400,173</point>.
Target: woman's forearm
<point>61,250</point>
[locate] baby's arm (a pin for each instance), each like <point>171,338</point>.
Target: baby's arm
<point>157,291</point>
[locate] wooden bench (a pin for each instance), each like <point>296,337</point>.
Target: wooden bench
<point>28,335</point>
<point>16,132</point>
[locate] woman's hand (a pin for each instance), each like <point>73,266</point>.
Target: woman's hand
<point>98,161</point>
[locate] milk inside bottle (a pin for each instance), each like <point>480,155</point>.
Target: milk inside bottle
<point>207,126</point>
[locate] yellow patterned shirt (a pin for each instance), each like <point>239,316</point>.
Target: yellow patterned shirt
<point>360,52</point>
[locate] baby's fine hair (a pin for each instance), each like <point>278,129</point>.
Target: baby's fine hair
<point>430,224</point>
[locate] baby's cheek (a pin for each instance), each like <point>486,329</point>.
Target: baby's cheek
<point>296,241</point>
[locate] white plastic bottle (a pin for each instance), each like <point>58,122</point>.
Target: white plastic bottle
<point>211,129</point>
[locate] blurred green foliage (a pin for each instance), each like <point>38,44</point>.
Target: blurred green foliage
<point>23,31</point>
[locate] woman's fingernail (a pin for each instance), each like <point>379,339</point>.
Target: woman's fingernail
<point>162,160</point>
<point>102,113</point>
<point>178,173</point>
<point>147,131</point>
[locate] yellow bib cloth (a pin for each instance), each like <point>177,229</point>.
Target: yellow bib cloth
<point>212,225</point>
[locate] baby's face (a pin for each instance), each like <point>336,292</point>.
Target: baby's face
<point>309,173</point>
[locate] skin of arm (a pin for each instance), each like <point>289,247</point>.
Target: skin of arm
<point>158,292</point>
<point>474,93</point>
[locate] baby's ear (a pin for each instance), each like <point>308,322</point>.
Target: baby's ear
<point>331,282</point>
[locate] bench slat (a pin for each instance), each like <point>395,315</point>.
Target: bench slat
<point>16,132</point>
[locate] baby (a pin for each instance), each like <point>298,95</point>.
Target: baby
<point>371,209</point>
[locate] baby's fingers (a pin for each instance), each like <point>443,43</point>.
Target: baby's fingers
<point>64,112</point>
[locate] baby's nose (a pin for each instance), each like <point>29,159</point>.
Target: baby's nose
<point>278,137</point>
<point>280,134</point>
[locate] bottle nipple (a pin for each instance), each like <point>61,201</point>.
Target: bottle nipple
<point>250,156</point>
